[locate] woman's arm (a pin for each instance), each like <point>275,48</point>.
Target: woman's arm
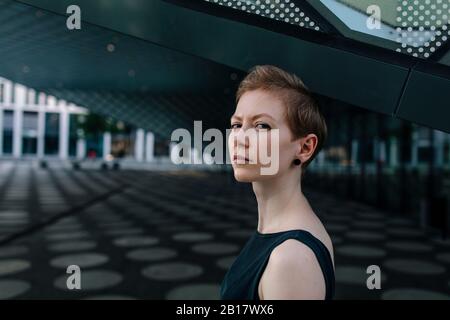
<point>292,272</point>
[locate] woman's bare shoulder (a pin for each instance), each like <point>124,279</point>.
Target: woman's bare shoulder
<point>292,272</point>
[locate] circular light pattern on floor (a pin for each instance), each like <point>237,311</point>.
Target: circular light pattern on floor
<point>370,215</point>
<point>124,232</point>
<point>195,292</point>
<point>368,224</point>
<point>203,219</point>
<point>11,266</point>
<point>409,246</point>
<point>354,275</point>
<point>69,246</point>
<point>361,251</point>
<point>176,228</point>
<point>214,248</point>
<point>135,241</point>
<point>334,227</point>
<point>13,214</point>
<point>193,236</point>
<point>162,221</point>
<point>83,260</point>
<point>413,266</point>
<point>12,251</point>
<point>152,254</point>
<point>336,239</point>
<point>413,294</point>
<point>441,242</point>
<point>399,222</point>
<point>92,280</point>
<point>221,225</point>
<point>365,235</point>
<point>12,222</point>
<point>444,257</point>
<point>116,224</point>
<point>172,271</point>
<point>12,288</point>
<point>405,232</point>
<point>226,262</point>
<point>68,235</point>
<point>4,231</point>
<point>68,221</point>
<point>63,228</point>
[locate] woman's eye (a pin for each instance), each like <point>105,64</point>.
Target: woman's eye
<point>263,126</point>
<point>235,125</point>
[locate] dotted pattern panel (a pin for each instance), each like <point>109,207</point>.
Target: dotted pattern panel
<point>282,10</point>
<point>423,26</point>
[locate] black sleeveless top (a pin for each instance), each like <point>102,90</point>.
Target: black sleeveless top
<point>242,279</point>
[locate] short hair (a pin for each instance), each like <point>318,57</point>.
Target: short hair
<point>302,109</point>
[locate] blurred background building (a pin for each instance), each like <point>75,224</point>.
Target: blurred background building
<point>39,126</point>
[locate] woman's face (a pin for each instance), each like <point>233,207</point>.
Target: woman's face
<point>264,114</point>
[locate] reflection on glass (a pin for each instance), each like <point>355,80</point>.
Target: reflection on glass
<point>418,28</point>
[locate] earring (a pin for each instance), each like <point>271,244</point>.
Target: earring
<point>297,162</point>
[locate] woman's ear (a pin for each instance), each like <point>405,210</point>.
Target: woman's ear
<point>307,146</point>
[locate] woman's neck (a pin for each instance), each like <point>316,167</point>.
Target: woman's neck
<point>281,203</point>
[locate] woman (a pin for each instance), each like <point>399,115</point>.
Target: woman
<point>290,255</point>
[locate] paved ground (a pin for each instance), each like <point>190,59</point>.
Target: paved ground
<point>162,235</point>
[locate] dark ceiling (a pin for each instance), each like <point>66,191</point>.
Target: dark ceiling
<point>162,64</point>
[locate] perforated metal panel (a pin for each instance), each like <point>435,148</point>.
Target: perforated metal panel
<point>282,10</point>
<point>422,26</point>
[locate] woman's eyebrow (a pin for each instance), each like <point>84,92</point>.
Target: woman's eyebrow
<point>259,115</point>
<point>235,117</point>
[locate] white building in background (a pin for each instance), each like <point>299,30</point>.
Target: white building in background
<point>36,125</point>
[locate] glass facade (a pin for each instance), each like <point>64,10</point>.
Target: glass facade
<point>8,116</point>
<point>389,163</point>
<point>29,133</point>
<point>51,136</point>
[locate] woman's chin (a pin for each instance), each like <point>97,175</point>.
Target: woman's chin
<point>246,174</point>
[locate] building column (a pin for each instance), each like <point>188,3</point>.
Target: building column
<point>321,158</point>
<point>106,145</point>
<point>448,143</point>
<point>354,156</point>
<point>1,132</point>
<point>376,150</point>
<point>41,99</point>
<point>31,97</point>
<point>81,149</point>
<point>63,130</point>
<point>149,146</point>
<point>40,132</point>
<point>439,138</point>
<point>393,152</point>
<point>139,145</point>
<point>414,147</point>
<point>382,154</point>
<point>19,92</point>
<point>7,92</point>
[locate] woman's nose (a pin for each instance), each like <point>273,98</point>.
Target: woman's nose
<point>242,139</point>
